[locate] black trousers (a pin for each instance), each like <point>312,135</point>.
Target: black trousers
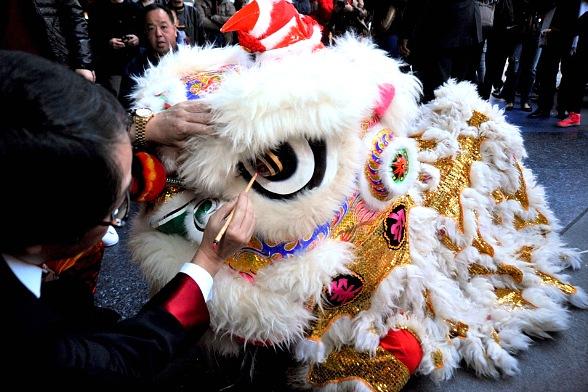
<point>551,56</point>
<point>435,67</point>
<point>574,78</point>
<point>522,78</point>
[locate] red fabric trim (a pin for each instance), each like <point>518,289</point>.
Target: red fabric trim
<point>185,302</point>
<point>404,346</point>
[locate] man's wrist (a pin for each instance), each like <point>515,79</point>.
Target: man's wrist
<point>211,263</point>
<point>139,119</point>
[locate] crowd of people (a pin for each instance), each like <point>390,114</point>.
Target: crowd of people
<point>79,130</point>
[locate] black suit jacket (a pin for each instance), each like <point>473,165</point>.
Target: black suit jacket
<point>47,344</point>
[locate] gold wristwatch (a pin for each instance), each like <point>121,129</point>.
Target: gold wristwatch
<point>140,118</point>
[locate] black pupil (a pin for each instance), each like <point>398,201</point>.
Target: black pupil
<point>278,164</point>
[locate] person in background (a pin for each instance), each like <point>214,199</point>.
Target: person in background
<point>556,42</point>
<point>161,35</point>
<point>74,142</point>
<point>441,40</point>
<point>114,26</point>
<point>224,11</point>
<point>575,76</point>
<point>56,30</point>
<point>190,20</point>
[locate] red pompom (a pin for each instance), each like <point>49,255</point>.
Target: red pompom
<point>404,346</point>
<point>149,177</point>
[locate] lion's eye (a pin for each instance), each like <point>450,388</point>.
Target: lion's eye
<point>284,171</point>
<point>268,165</point>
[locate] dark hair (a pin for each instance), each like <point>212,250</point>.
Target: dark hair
<point>57,165</point>
<point>155,6</point>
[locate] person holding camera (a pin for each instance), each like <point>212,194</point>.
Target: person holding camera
<point>115,31</point>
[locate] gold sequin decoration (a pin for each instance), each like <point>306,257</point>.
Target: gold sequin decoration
<point>525,253</point>
<point>477,119</point>
<point>457,329</point>
<point>520,195</point>
<point>429,303</point>
<point>482,246</point>
<point>437,357</point>
<point>495,336</point>
<point>507,269</point>
<point>381,373</point>
<point>449,244</point>
<point>503,269</point>
<point>373,262</point>
<point>425,144</point>
<point>479,269</point>
<point>455,177</point>
<point>520,223</point>
<point>499,196</point>
<point>497,220</point>
<point>553,281</point>
<point>512,298</point>
<point>168,192</point>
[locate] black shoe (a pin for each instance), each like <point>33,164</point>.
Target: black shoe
<point>539,114</point>
<point>525,107</point>
<point>509,106</point>
<point>561,115</point>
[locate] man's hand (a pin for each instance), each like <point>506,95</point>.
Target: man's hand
<point>211,256</point>
<point>116,43</point>
<point>172,126</point>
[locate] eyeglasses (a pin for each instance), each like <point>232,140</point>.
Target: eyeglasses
<point>118,217</point>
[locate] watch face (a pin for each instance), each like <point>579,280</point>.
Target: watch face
<point>143,112</point>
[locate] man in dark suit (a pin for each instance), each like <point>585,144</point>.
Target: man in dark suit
<point>68,162</point>
<point>442,40</point>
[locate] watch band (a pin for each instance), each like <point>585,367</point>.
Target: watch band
<point>140,122</point>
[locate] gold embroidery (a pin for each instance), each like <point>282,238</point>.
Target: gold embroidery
<point>477,119</point>
<point>512,298</point>
<point>553,281</point>
<point>381,373</point>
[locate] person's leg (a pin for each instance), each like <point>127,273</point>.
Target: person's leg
<point>526,75</point>
<point>546,76</point>
<point>433,70</point>
<point>496,55</point>
<point>576,78</point>
<point>463,63</point>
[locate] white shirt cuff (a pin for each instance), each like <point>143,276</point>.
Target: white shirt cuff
<point>202,278</point>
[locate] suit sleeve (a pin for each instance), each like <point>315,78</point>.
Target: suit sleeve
<point>139,347</point>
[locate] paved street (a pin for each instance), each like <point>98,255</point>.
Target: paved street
<point>558,159</point>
